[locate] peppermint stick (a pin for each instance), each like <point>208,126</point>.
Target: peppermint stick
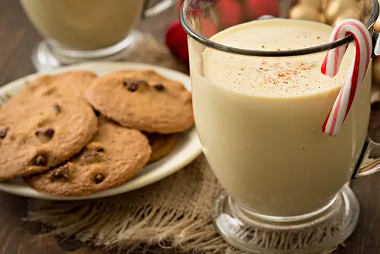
<point>356,74</point>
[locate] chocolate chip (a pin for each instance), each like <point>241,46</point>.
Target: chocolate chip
<point>60,173</point>
<point>57,108</point>
<point>132,85</point>
<point>100,150</point>
<point>159,87</point>
<point>47,132</point>
<point>99,178</point>
<point>40,160</point>
<point>126,82</point>
<point>3,132</point>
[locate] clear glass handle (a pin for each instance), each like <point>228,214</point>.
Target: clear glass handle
<point>369,160</point>
<point>376,43</point>
<point>150,10</point>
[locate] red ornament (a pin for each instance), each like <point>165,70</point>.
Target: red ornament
<point>208,28</point>
<point>258,8</point>
<point>183,54</point>
<point>175,37</point>
<point>229,12</point>
<point>179,4</point>
<point>176,40</point>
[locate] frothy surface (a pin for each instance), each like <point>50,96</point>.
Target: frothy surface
<point>278,77</point>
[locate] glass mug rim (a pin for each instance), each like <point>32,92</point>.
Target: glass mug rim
<point>262,53</point>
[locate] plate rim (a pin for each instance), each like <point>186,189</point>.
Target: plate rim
<point>134,183</point>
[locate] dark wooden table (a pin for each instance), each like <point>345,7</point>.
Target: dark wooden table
<point>17,38</point>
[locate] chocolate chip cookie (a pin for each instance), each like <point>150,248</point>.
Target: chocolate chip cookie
<point>143,100</point>
<point>162,145</point>
<point>114,155</point>
<point>67,84</point>
<point>43,133</point>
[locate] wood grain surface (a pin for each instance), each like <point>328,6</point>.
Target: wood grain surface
<point>17,39</point>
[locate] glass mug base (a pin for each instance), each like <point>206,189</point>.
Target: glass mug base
<point>318,232</point>
<point>46,57</point>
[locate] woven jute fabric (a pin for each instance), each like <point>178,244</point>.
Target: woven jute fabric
<point>175,212</point>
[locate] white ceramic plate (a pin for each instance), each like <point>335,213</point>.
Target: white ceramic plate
<point>187,150</point>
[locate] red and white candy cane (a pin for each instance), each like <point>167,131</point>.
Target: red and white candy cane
<point>358,69</point>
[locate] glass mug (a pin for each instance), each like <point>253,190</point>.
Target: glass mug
<point>85,30</point>
<point>283,177</point>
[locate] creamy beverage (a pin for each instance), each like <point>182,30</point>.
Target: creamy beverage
<point>260,119</point>
<point>84,24</point>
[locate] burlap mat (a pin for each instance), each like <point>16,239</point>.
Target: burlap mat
<point>172,213</point>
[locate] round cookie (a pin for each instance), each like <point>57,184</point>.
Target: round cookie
<point>143,100</point>
<point>43,133</point>
<point>114,155</point>
<point>67,84</point>
<point>161,144</point>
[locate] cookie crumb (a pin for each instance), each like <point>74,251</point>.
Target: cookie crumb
<point>91,154</point>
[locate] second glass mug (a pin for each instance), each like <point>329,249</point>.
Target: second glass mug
<point>84,30</point>
<point>279,170</point>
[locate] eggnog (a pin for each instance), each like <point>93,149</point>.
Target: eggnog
<point>84,24</point>
<point>260,118</point>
